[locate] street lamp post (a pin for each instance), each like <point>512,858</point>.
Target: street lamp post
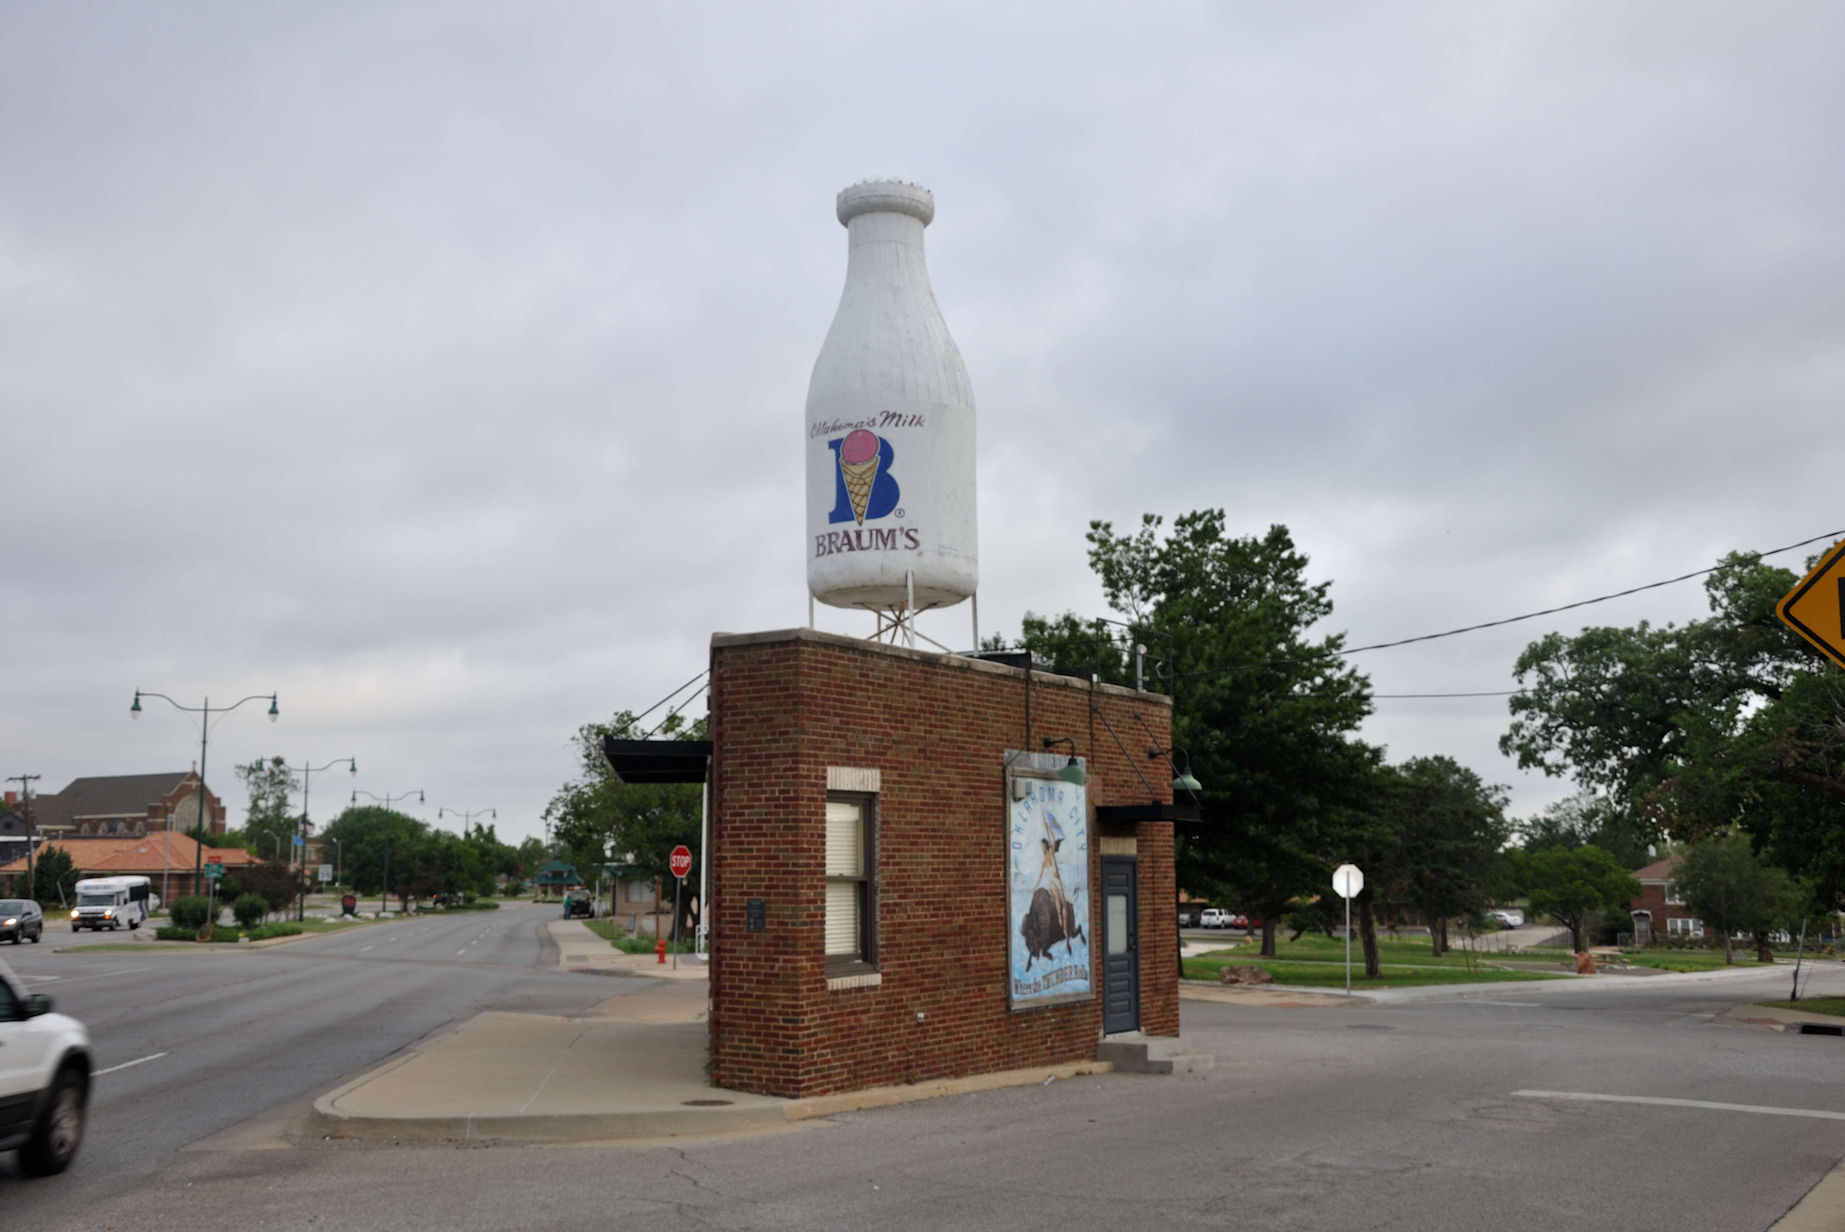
<point>467,817</point>
<point>307,773</point>
<point>134,711</point>
<point>384,895</point>
<point>339,861</point>
<point>25,782</point>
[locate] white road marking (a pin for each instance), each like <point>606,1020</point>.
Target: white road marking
<point>1819,1114</point>
<point>364,948</point>
<point>126,1064</point>
<point>72,979</point>
<point>1522,1005</point>
<point>461,951</point>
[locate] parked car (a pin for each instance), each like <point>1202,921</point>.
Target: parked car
<point>44,1079</point>
<point>1214,917</point>
<point>1508,917</point>
<point>20,920</point>
<point>579,903</point>
<point>1188,917</point>
<point>1245,922</point>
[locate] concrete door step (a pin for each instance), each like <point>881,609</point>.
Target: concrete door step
<point>1134,1053</point>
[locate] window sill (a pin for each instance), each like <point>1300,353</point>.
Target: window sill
<point>839,981</point>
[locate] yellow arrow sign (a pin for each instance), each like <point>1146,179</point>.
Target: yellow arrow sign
<point>1815,609</point>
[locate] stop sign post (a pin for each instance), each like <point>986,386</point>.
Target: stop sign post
<point>1347,883</point>
<point>680,862</point>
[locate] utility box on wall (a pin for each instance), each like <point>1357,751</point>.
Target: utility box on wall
<point>907,885</point>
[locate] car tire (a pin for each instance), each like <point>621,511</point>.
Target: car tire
<point>38,936</point>
<point>59,1130</point>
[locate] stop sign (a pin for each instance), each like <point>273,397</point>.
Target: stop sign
<point>681,862</point>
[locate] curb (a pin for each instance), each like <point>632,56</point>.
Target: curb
<point>1821,1210</point>
<point>660,1122</point>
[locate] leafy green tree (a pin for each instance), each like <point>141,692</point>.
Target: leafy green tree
<point>270,827</point>
<point>270,880</point>
<point>597,819</point>
<point>1450,827</point>
<point>1583,819</point>
<point>376,842</point>
<point>1266,711</point>
<point>1732,891</point>
<point>54,877</point>
<point>1688,730</point>
<point>249,909</point>
<point>1573,886</point>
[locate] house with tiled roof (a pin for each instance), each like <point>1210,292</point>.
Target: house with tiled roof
<point>125,805</point>
<point>1658,912</point>
<point>168,859</point>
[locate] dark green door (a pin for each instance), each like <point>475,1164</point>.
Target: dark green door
<point>1120,945</point>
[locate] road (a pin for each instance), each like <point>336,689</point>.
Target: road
<point>1404,1114</point>
<point>199,1042</point>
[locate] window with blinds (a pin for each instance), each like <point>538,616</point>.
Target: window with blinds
<point>851,917</point>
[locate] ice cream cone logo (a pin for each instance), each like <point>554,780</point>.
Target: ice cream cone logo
<point>865,487</point>
<point>858,465</point>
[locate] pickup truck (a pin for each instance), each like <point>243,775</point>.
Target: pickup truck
<point>44,1079</point>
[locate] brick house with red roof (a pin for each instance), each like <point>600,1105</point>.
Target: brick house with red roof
<point>123,805</point>
<point>166,858</point>
<point>1658,912</point>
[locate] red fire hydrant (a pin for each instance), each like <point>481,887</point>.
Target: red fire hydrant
<point>660,951</point>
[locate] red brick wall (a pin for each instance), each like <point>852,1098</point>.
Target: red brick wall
<point>1653,898</point>
<point>784,707</point>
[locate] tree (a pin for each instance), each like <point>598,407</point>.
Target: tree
<point>1689,730</point>
<point>1733,892</point>
<point>1449,829</point>
<point>374,843</point>
<point>269,830</point>
<point>598,819</point>
<point>272,881</point>
<point>1266,712</point>
<point>54,877</point>
<point>1582,819</point>
<point>1573,886</point>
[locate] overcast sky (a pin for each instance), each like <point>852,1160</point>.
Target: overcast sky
<point>441,367</point>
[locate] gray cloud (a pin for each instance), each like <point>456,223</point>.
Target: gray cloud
<point>442,369</point>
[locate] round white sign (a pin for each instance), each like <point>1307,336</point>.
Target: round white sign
<point>1348,881</point>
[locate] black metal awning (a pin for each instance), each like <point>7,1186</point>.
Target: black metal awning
<point>657,761</point>
<point>1128,814</point>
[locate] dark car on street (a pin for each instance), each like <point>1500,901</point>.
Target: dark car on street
<point>21,920</point>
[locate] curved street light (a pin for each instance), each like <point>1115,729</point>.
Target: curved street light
<point>467,817</point>
<point>134,712</point>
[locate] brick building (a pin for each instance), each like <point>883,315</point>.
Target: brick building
<point>125,805</point>
<point>866,849</point>
<point>1657,911</point>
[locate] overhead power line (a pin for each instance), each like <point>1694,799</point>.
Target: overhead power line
<point>1552,611</point>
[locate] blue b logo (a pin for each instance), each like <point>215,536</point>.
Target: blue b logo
<point>863,487</point>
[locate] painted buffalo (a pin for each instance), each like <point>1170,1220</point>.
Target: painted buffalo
<point>1049,920</point>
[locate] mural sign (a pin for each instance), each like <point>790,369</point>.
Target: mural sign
<point>1047,842</point>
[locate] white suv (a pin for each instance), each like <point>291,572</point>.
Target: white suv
<point>44,1079</point>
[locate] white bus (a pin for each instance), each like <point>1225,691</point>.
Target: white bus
<point>110,902</point>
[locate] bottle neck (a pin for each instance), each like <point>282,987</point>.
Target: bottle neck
<point>881,244</point>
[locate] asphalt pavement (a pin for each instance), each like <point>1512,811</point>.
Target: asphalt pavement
<point>1591,1103</point>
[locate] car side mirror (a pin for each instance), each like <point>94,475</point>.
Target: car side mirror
<point>36,1004</point>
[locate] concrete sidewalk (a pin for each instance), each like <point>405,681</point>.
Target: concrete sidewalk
<point>580,950</point>
<point>634,1068</point>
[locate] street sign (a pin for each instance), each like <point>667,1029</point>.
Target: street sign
<point>299,841</point>
<point>681,861</point>
<point>326,873</point>
<point>1348,881</point>
<point>1815,609</point>
<point>214,870</point>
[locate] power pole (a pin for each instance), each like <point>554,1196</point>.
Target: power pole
<point>25,782</point>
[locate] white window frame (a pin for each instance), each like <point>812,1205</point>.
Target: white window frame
<point>1684,926</point>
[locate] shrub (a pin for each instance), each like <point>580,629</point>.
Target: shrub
<point>172,932</point>
<point>249,910</point>
<point>281,929</point>
<point>191,912</point>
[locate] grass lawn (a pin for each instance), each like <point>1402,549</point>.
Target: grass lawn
<point>1321,973</point>
<point>1687,960</point>
<point>616,936</point>
<point>1811,1005</point>
<point>1315,948</point>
